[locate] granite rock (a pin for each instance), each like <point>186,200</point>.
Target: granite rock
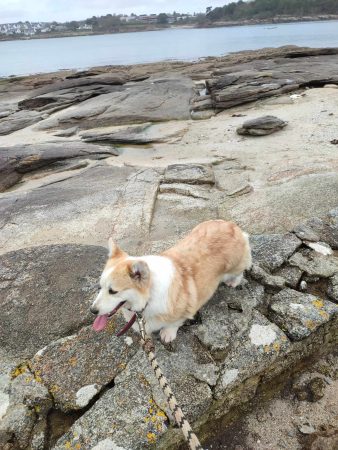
<point>76,209</point>
<point>231,309</point>
<point>80,374</point>
<point>28,157</point>
<point>156,99</point>
<point>139,419</point>
<point>272,250</point>
<point>315,264</point>
<point>316,229</point>
<point>136,134</point>
<point>189,174</point>
<point>265,278</point>
<point>332,290</point>
<point>292,275</point>
<point>299,314</point>
<point>18,120</point>
<point>261,126</point>
<point>259,343</point>
<point>45,294</point>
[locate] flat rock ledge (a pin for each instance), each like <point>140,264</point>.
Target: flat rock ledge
<point>52,362</point>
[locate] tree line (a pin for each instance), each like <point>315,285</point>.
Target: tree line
<point>265,9</point>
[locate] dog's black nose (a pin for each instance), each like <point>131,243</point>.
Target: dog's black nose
<point>93,310</point>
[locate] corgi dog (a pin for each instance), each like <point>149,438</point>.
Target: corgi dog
<point>171,287</point>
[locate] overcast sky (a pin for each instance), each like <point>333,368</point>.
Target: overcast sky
<point>63,10</point>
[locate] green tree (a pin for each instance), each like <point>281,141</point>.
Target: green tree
<point>266,9</point>
<point>162,18</point>
<point>73,25</point>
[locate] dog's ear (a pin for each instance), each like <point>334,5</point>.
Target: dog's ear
<point>139,272</point>
<point>114,249</point>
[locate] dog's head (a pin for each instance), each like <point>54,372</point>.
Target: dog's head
<point>124,281</point>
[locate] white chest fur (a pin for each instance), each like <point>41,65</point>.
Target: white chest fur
<point>162,273</point>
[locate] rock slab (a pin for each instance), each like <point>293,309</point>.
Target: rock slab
<point>45,294</point>
<point>300,314</point>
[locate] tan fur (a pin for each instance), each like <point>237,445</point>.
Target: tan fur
<point>211,249</point>
<point>201,259</point>
<point>122,277</point>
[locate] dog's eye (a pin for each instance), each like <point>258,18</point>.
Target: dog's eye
<point>112,292</point>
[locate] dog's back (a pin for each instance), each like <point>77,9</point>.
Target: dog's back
<point>215,250</point>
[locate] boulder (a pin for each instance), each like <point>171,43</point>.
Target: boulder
<point>258,344</point>
<point>20,159</point>
<point>201,103</point>
<point>46,294</point>
<point>231,309</point>
<point>202,115</point>
<point>316,229</point>
<point>80,374</point>
<point>332,290</point>
<point>125,417</point>
<point>291,275</point>
<point>300,314</point>
<point>237,84</point>
<point>140,418</point>
<point>261,126</point>
<point>63,98</point>
<point>272,250</point>
<point>314,264</point>
<point>268,280</point>
<point>27,403</point>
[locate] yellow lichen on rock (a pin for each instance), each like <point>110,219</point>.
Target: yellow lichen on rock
<point>19,370</point>
<point>318,303</point>
<point>311,325</point>
<point>73,361</point>
<point>151,438</point>
<point>276,346</point>
<point>324,314</point>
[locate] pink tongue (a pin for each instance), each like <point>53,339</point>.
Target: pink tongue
<point>100,322</point>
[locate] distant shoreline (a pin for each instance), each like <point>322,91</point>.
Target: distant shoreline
<point>135,29</point>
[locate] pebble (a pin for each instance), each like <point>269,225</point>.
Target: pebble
<point>306,429</point>
<point>303,285</point>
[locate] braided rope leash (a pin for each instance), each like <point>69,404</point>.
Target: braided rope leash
<point>149,348</point>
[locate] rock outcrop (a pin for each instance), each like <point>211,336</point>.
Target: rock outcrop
<point>114,152</point>
<point>242,337</point>
<point>156,99</point>
<point>20,159</point>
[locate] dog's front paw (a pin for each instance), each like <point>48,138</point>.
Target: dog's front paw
<point>168,335</point>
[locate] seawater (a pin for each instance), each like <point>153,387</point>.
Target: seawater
<point>48,55</point>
